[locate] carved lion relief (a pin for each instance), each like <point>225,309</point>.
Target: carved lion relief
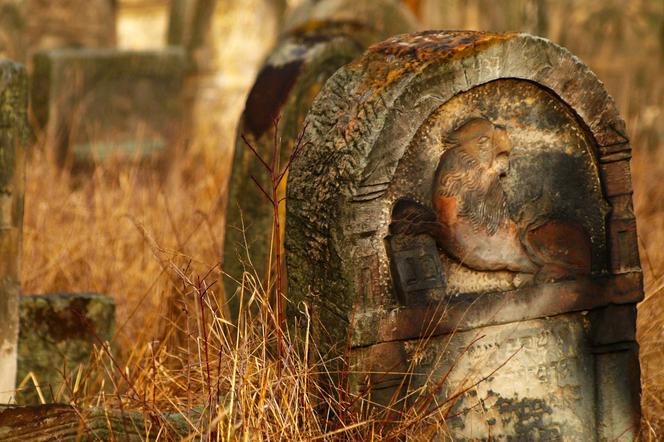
<point>492,211</point>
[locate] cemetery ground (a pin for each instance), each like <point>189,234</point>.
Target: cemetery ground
<point>151,239</point>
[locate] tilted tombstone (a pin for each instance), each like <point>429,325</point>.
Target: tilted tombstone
<point>13,134</point>
<point>464,215</point>
<point>108,102</point>
<point>57,335</point>
<point>319,38</point>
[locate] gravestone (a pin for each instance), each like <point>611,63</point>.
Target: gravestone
<point>462,227</point>
<point>27,26</point>
<point>319,38</point>
<point>57,334</point>
<point>108,102</point>
<point>13,137</point>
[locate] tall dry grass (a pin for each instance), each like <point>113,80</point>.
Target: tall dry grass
<point>152,241</point>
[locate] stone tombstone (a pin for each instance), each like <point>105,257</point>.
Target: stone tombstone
<point>57,334</point>
<point>13,137</point>
<point>101,102</point>
<point>462,224</point>
<point>319,37</point>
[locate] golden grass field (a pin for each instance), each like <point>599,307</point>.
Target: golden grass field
<point>152,242</point>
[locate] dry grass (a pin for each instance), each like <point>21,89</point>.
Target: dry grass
<point>152,241</point>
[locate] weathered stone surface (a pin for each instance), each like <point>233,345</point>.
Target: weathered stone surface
<point>465,207</point>
<point>57,334</point>
<point>27,26</point>
<point>69,424</point>
<point>108,102</point>
<point>13,137</point>
<point>320,37</point>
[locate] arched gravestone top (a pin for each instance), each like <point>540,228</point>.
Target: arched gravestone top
<point>318,39</point>
<point>365,20</point>
<point>465,183</point>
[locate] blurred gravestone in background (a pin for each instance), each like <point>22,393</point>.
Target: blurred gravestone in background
<point>13,137</point>
<point>462,225</point>
<point>318,38</point>
<point>95,103</point>
<point>227,40</point>
<point>56,339</point>
<point>29,25</point>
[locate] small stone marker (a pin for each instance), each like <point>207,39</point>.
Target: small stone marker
<point>13,136</point>
<point>57,334</point>
<point>100,102</point>
<point>464,215</point>
<point>319,38</point>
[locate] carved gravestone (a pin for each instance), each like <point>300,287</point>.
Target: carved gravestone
<point>13,135</point>
<point>319,38</point>
<point>57,334</point>
<point>464,218</point>
<point>101,102</point>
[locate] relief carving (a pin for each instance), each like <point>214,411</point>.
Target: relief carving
<point>470,218</point>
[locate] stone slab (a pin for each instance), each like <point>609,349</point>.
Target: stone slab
<point>108,102</point>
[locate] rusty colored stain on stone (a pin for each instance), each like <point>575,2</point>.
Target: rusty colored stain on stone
<point>389,61</point>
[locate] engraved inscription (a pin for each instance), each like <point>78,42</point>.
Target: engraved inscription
<point>500,372</point>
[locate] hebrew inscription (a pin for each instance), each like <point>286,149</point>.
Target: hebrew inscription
<point>527,380</point>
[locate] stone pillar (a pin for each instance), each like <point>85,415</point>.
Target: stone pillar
<point>108,102</point>
<point>13,136</point>
<point>318,38</point>
<point>462,226</point>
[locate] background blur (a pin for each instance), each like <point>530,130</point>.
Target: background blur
<point>123,233</point>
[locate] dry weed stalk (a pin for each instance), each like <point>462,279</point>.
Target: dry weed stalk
<point>276,174</point>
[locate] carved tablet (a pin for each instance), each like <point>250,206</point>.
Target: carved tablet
<point>468,210</point>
